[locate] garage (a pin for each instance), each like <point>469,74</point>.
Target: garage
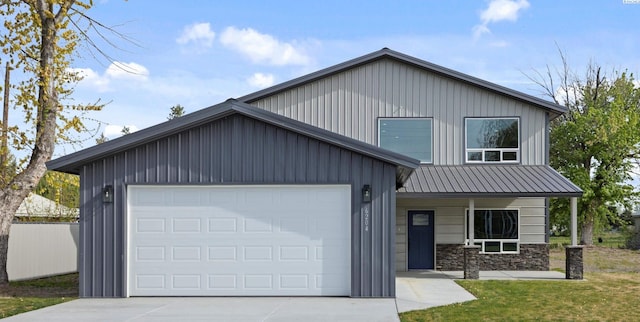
<point>233,200</point>
<point>239,240</point>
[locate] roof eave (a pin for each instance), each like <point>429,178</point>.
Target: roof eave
<point>471,195</point>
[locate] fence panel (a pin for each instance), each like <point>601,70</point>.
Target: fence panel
<point>42,249</point>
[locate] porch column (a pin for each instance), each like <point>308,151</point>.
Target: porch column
<point>470,223</point>
<point>574,261</point>
<point>471,251</point>
<point>574,221</point>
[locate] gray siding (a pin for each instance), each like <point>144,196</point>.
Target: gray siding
<point>350,102</point>
<point>236,150</point>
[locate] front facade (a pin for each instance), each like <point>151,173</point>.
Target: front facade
<point>323,185</point>
<point>455,125</point>
<point>233,200</point>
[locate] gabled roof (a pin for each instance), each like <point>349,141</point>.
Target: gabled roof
<point>35,205</point>
<point>486,181</point>
<point>553,108</point>
<point>71,163</point>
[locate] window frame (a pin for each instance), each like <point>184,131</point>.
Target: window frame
<point>482,242</point>
<point>430,119</point>
<point>483,151</point>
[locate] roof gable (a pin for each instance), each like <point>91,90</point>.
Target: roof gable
<point>71,163</point>
<point>385,53</point>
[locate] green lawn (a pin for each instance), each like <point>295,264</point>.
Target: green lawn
<point>23,296</point>
<point>609,239</point>
<point>610,292</point>
<point>603,296</point>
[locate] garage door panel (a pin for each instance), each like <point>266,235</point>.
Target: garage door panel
<point>291,240</point>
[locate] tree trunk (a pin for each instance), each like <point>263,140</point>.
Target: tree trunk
<point>587,233</point>
<point>12,194</point>
<point>10,201</point>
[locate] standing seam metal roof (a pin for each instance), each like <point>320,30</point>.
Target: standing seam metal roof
<point>71,163</point>
<point>467,181</point>
<point>555,109</point>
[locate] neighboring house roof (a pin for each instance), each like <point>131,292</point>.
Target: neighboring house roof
<point>71,163</point>
<point>468,181</point>
<point>555,109</point>
<point>38,206</point>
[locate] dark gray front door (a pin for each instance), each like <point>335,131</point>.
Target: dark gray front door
<point>420,239</point>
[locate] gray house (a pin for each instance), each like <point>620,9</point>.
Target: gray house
<point>324,185</point>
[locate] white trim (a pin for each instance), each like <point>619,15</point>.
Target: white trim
<point>407,118</point>
<point>502,241</point>
<point>484,150</point>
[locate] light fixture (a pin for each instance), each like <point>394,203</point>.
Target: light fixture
<point>107,194</point>
<point>366,193</point>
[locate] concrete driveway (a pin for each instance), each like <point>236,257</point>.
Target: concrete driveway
<point>306,309</point>
<point>417,290</point>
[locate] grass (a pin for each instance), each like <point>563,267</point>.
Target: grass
<point>609,239</point>
<point>23,296</point>
<point>609,292</point>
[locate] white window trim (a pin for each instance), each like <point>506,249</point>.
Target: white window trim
<point>408,118</point>
<point>484,150</point>
<point>482,242</point>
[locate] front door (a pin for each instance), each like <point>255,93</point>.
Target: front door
<point>420,239</point>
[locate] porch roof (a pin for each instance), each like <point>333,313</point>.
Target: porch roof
<point>486,181</point>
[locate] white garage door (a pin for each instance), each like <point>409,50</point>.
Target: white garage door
<point>239,240</point>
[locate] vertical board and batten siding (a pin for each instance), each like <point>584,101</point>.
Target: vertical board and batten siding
<point>350,102</point>
<point>235,150</point>
<point>449,220</point>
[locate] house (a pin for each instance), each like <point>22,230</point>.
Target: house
<point>38,208</point>
<point>324,185</point>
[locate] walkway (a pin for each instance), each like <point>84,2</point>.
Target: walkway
<point>419,290</point>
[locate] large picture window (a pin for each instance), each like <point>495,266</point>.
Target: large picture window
<point>496,230</point>
<point>492,139</point>
<point>409,136</point>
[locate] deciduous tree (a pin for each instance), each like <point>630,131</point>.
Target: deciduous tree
<point>596,143</point>
<point>38,40</point>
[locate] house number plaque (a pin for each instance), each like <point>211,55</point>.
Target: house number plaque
<point>365,217</point>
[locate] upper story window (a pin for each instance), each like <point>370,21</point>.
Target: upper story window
<point>492,139</point>
<point>409,136</point>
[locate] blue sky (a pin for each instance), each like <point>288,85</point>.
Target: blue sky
<point>199,53</point>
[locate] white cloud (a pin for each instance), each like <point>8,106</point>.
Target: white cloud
<point>263,48</point>
<point>133,71</point>
<point>124,72</point>
<point>261,80</point>
<point>90,77</point>
<point>112,131</point>
<point>499,10</point>
<point>199,34</point>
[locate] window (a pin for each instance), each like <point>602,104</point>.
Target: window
<point>496,230</point>
<point>492,139</point>
<point>409,136</point>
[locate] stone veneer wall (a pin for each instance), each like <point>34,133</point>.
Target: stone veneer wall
<point>532,257</point>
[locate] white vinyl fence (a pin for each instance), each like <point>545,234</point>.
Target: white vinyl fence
<point>42,249</point>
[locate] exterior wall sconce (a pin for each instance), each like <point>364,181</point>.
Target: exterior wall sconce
<point>366,193</point>
<point>107,194</point>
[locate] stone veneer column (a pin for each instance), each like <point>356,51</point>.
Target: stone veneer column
<point>471,264</point>
<point>574,262</point>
